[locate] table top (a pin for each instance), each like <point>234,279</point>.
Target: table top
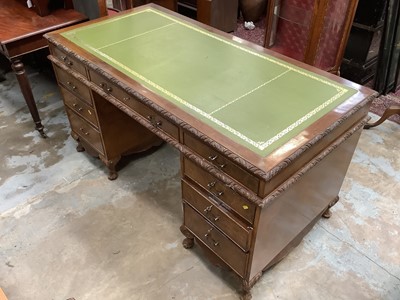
<point>18,22</point>
<point>255,98</point>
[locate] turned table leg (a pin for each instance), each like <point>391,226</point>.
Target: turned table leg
<point>26,90</point>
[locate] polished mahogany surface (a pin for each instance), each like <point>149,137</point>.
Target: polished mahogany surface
<point>21,32</point>
<point>17,21</point>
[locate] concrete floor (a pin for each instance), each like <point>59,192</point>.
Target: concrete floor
<point>67,231</point>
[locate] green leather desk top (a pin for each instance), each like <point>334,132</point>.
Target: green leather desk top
<point>256,100</point>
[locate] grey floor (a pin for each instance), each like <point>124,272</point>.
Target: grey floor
<point>67,231</point>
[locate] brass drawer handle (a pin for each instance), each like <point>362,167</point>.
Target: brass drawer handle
<point>208,236</point>
<point>211,185</point>
<point>207,211</point>
<point>65,59</point>
<point>77,107</point>
<point>83,131</point>
<point>208,232</point>
<point>69,83</point>
<point>106,88</point>
<point>153,121</point>
<point>213,158</point>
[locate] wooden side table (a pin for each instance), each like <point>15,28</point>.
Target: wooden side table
<point>21,32</point>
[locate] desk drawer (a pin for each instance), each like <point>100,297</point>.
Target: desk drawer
<point>68,60</point>
<point>153,117</point>
<point>220,191</point>
<point>80,107</point>
<point>210,210</point>
<point>85,131</point>
<point>223,163</point>
<point>73,85</point>
<point>215,240</point>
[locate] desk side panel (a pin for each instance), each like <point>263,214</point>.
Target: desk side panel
<point>291,216</point>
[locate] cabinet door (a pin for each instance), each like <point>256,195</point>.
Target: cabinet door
<point>312,31</point>
<point>389,55</point>
<point>332,39</point>
<point>289,26</point>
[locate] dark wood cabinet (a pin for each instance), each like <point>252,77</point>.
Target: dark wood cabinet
<point>221,14</point>
<point>387,76</point>
<point>361,55</point>
<point>311,31</point>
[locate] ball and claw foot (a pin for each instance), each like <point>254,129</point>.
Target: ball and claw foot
<point>112,175</point>
<point>245,293</point>
<point>188,243</point>
<point>328,213</point>
<point>80,148</point>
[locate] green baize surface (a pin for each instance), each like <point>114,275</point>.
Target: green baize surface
<point>254,99</point>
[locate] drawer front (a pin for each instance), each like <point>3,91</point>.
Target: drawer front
<point>216,241</point>
<point>80,107</point>
<point>85,131</point>
<point>238,233</point>
<point>153,117</point>
<point>220,191</point>
<point>68,60</point>
<point>73,85</point>
<point>222,162</point>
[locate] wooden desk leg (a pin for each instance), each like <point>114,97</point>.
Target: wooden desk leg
<point>328,213</point>
<point>392,110</point>
<point>26,90</point>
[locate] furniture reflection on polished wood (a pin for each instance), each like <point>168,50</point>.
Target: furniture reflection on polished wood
<point>21,32</point>
<point>311,31</point>
<point>245,204</point>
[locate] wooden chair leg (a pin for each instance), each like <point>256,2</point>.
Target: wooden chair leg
<point>392,110</point>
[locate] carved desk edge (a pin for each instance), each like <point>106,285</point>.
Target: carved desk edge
<point>204,138</point>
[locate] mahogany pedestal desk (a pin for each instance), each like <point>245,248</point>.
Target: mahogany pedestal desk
<point>21,32</point>
<point>265,141</point>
